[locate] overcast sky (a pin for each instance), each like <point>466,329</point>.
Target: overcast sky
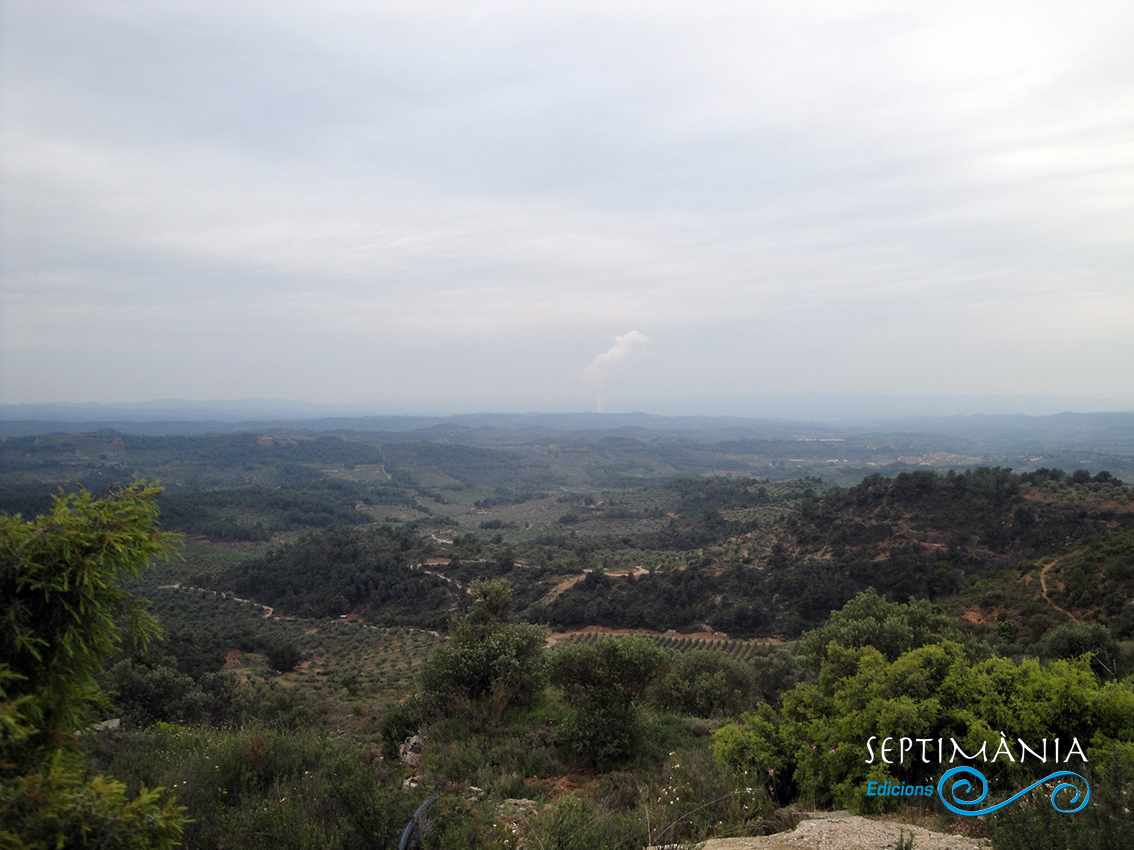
<point>457,206</point>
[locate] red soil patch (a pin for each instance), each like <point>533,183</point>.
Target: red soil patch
<point>232,659</point>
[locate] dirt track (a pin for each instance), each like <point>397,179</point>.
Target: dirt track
<point>1043,587</point>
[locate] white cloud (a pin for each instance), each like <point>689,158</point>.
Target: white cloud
<point>606,363</point>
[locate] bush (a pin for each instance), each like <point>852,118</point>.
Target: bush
<point>151,691</point>
<point>1105,824</point>
<point>60,586</point>
<point>486,657</point>
<point>704,683</point>
<point>577,824</point>
<point>55,806</point>
<point>284,656</point>
<point>774,673</point>
<point>602,683</point>
<point>1073,640</point>
<point>401,722</point>
<point>892,628</point>
<point>817,743</point>
<point>259,788</point>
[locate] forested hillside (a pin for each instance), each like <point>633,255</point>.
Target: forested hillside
<point>594,531</point>
<point>342,570</point>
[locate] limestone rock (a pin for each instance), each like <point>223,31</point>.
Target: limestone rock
<point>410,752</point>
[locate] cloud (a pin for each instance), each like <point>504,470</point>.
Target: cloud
<point>606,362</point>
<point>492,185</point>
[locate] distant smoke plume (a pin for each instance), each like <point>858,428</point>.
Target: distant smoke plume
<point>606,363</point>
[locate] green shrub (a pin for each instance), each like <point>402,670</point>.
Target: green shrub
<point>486,657</point>
<point>575,823</point>
<point>704,683</point>
<point>695,799</point>
<point>892,628</point>
<point>1105,824</point>
<point>602,683</point>
<point>61,588</point>
<point>262,788</point>
<point>816,745</point>
<point>774,672</point>
<point>284,656</point>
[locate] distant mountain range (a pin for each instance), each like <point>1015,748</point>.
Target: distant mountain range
<point>1103,431</point>
<point>839,407</point>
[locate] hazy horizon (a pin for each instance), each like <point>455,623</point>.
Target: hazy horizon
<point>442,206</point>
<point>817,407</point>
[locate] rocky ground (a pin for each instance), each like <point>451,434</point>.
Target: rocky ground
<point>844,831</point>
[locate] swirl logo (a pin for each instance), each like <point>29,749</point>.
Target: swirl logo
<point>963,786</point>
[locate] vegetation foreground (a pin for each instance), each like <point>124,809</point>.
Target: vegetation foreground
<point>334,732</point>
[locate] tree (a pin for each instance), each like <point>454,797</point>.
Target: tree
<point>817,745</point>
<point>775,672</point>
<point>486,655</point>
<point>943,579</point>
<point>61,595</point>
<point>284,656</point>
<point>1073,640</point>
<point>60,581</point>
<point>892,628</point>
<point>602,683</point>
<point>150,688</point>
<point>705,682</point>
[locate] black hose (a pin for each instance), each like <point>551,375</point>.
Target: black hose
<point>411,827</point>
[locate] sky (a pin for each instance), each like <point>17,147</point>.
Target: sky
<point>467,206</point>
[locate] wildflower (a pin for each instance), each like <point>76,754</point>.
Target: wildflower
<point>813,746</point>
<point>831,750</point>
<point>771,771</point>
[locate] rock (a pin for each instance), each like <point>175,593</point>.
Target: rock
<point>513,807</point>
<point>844,831</point>
<point>104,726</point>
<point>410,752</point>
